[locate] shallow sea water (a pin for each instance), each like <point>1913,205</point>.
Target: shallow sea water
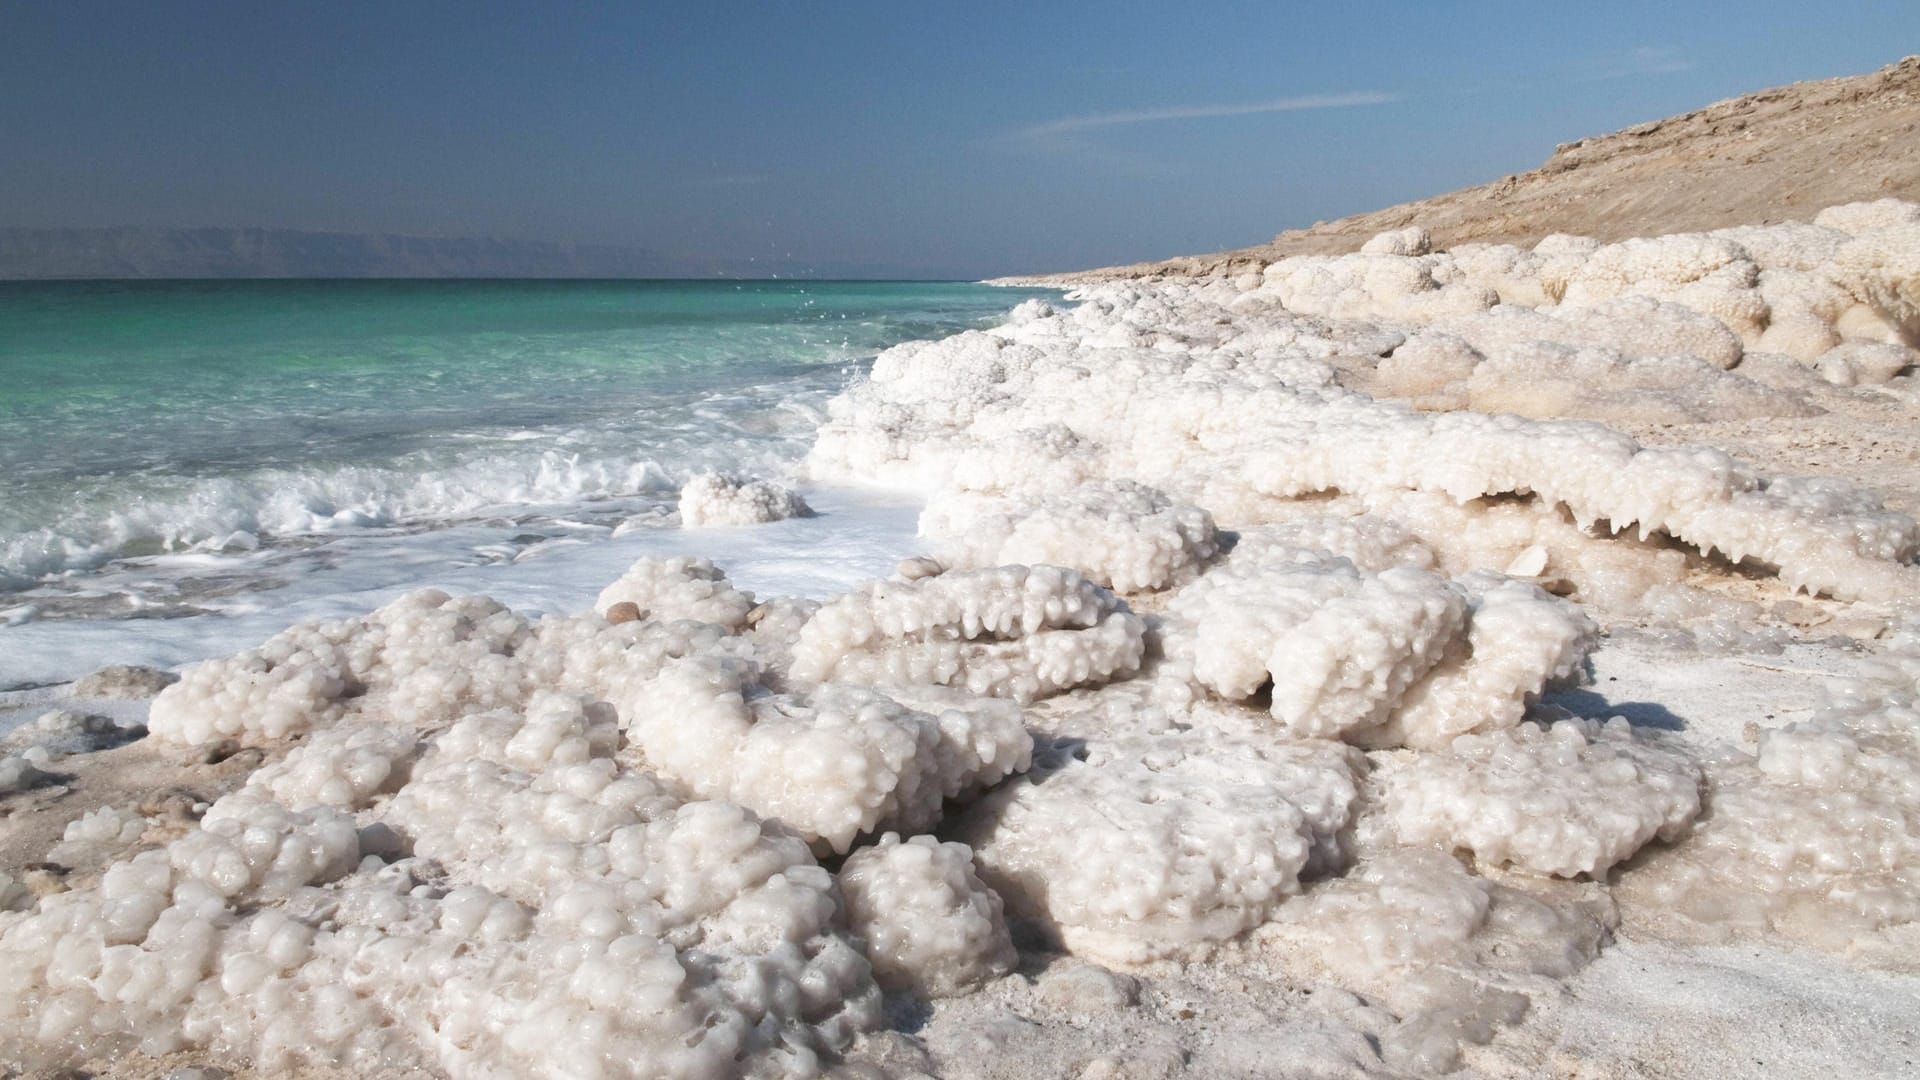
<point>186,467</point>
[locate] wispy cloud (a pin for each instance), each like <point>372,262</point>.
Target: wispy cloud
<point>1068,125</point>
<point>1641,62</point>
<point>733,180</point>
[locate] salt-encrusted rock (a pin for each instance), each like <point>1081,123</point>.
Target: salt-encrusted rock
<point>124,681</point>
<point>1859,217</point>
<point>1082,988</point>
<point>292,683</point>
<point>1414,908</point>
<point>100,834</point>
<point>1880,267</point>
<point>1374,285</point>
<point>1634,326</point>
<point>1136,847</point>
<point>929,923</point>
<point>428,659</point>
<point>1125,536</point>
<point>679,588</point>
<point>715,499</point>
<point>342,767</point>
<point>1571,798</point>
<point>832,762</point>
<point>1016,632</point>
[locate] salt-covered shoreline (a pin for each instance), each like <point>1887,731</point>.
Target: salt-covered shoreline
<point>1300,677</point>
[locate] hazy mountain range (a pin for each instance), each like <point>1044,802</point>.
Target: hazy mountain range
<point>291,253</point>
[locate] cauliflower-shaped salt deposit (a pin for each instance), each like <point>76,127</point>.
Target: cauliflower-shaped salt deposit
<point>1412,240</point>
<point>713,499</point>
<point>1571,798</point>
<point>1520,641</point>
<point>1019,632</point>
<point>293,683</point>
<point>679,588</point>
<point>928,921</point>
<point>565,916</point>
<point>831,762</point>
<point>1143,846</point>
<point>1336,648</point>
<point>1125,536</point>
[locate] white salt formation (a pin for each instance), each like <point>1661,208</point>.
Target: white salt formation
<point>712,499</point>
<point>679,588</point>
<point>1815,835</point>
<point>868,760</point>
<point>482,845</point>
<point>1572,798</point>
<point>1397,657</point>
<point>928,922</point>
<point>1230,398</point>
<point>1016,632</point>
<point>1133,848</point>
<point>1121,535</point>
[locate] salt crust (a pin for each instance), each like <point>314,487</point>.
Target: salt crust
<point>679,588</point>
<point>1391,657</point>
<point>446,879</point>
<point>1135,847</point>
<point>869,760</point>
<point>714,499</point>
<point>1816,834</point>
<point>1121,535</point>
<point>1453,953</point>
<point>1016,632</point>
<point>1570,798</point>
<point>1230,398</point>
<point>930,924</point>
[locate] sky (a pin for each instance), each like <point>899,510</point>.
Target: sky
<point>877,139</point>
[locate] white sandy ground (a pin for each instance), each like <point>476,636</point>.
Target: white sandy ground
<point>1324,795</point>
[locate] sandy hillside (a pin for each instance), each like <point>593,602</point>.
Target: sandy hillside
<point>1780,154</point>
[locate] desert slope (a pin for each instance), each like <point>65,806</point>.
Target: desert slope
<point>1780,154</point>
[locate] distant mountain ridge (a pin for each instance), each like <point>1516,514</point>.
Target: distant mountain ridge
<point>136,252</point>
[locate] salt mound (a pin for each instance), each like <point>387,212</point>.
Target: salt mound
<point>1398,656</point>
<point>928,921</point>
<point>1132,848</point>
<point>1016,632</point>
<point>714,499</point>
<point>679,588</point>
<point>1573,798</point>
<point>1121,535</point>
<point>1230,398</point>
<point>871,761</point>
<point>559,912</point>
<point>1815,835</point>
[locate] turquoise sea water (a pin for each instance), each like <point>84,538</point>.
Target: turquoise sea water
<point>188,467</point>
<point>139,419</point>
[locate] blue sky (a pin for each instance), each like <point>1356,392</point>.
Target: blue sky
<point>951,139</point>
